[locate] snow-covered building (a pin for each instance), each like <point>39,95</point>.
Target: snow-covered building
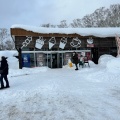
<point>53,47</point>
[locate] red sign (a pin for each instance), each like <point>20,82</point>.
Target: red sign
<point>90,45</point>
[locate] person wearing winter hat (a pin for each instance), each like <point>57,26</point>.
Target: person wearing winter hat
<point>75,59</point>
<point>4,68</point>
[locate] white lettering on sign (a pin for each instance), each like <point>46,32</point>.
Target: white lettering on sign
<point>52,42</point>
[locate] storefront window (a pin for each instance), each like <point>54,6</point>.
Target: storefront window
<point>32,62</point>
<point>25,49</point>
<point>40,59</point>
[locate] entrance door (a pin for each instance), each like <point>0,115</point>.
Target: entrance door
<point>113,51</point>
<point>55,60</point>
<point>94,52</point>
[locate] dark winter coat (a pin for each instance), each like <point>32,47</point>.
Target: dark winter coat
<point>4,66</point>
<point>75,58</point>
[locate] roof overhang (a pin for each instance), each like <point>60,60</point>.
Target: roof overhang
<point>25,30</point>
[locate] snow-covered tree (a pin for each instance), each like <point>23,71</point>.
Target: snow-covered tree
<point>48,25</point>
<point>76,23</point>
<point>101,17</point>
<point>63,24</point>
<point>113,17</point>
<point>3,35</point>
<point>6,41</point>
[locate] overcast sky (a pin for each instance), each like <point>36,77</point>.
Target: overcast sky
<point>37,12</point>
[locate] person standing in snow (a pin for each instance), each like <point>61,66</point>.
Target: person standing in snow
<point>81,61</point>
<point>75,59</point>
<point>4,68</point>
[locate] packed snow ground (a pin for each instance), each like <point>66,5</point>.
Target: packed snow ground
<point>63,94</point>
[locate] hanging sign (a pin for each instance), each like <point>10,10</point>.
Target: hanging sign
<point>75,42</point>
<point>90,42</point>
<point>63,42</point>
<point>39,42</point>
<point>52,42</point>
<point>27,41</point>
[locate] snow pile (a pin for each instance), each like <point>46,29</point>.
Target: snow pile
<point>92,64</point>
<point>110,63</point>
<point>8,53</point>
<point>12,61</point>
<point>25,71</point>
<point>113,65</point>
<point>104,59</point>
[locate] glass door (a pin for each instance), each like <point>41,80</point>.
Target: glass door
<point>55,60</point>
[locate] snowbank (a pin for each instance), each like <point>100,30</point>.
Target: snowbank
<point>104,59</point>
<point>12,61</point>
<point>9,53</point>
<point>113,65</point>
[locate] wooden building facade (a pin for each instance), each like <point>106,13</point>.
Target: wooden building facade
<point>54,49</point>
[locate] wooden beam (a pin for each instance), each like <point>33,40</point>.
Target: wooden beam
<point>22,32</point>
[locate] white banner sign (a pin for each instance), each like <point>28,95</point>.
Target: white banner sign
<point>90,40</point>
<point>27,41</point>
<point>75,42</point>
<point>63,42</point>
<point>39,42</point>
<point>52,42</point>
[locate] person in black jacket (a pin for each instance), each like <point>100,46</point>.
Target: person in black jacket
<point>75,59</point>
<point>4,68</point>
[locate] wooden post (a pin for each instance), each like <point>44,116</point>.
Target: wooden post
<point>118,45</point>
<point>20,58</point>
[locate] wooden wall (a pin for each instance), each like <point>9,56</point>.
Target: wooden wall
<point>104,44</point>
<point>98,42</point>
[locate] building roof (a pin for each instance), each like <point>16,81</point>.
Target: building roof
<point>97,32</point>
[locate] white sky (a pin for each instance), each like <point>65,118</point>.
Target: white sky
<point>36,12</point>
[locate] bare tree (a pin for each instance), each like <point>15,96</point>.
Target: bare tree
<point>101,17</point>
<point>6,41</point>
<point>3,35</point>
<point>113,18</point>
<point>76,23</point>
<point>63,24</point>
<point>48,25</point>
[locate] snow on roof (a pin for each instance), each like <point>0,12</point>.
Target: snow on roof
<point>98,32</point>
